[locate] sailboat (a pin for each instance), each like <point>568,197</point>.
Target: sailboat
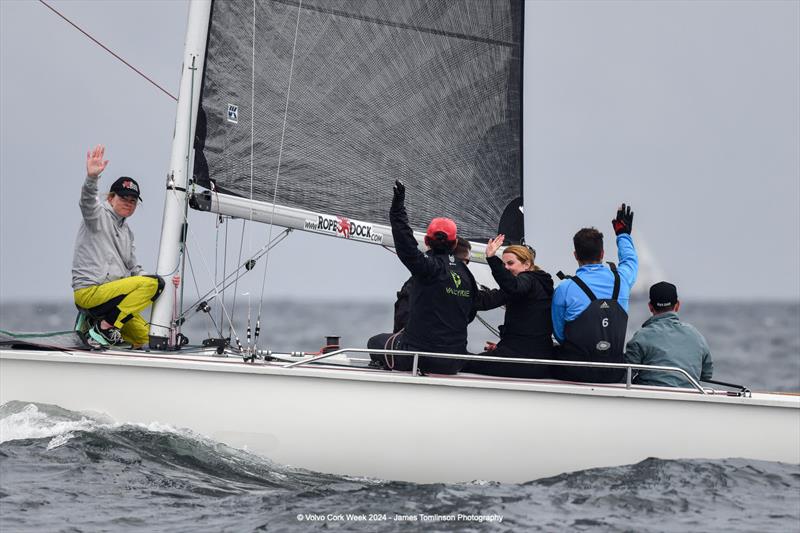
<point>300,114</point>
<point>650,271</point>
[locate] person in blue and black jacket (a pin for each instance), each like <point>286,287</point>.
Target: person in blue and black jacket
<point>590,309</point>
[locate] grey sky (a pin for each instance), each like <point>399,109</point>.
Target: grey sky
<point>687,110</point>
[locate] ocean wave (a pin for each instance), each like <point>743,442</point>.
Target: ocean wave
<point>64,468</point>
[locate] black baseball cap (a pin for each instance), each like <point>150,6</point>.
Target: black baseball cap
<point>125,186</point>
<point>663,295</point>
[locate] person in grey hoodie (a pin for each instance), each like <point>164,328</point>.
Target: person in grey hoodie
<point>665,340</point>
<point>106,277</point>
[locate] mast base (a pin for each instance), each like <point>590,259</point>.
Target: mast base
<point>159,343</point>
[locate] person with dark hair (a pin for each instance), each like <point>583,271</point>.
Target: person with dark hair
<point>665,340</point>
<point>526,290</point>
<point>590,309</point>
<point>387,341</point>
<point>107,280</point>
<point>441,293</point>
<point>462,251</point>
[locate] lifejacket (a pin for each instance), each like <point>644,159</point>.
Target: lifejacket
<point>596,335</point>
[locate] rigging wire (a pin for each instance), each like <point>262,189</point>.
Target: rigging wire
<point>197,290</point>
<point>191,234</point>
<point>252,151</point>
<point>107,49</point>
<point>225,262</point>
<point>278,171</point>
<point>239,262</point>
<point>247,265</point>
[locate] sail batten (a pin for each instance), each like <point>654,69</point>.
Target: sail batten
<point>428,92</point>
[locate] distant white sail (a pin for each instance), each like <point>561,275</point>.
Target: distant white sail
<point>650,270</point>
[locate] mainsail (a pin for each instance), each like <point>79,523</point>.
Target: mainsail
<point>318,106</point>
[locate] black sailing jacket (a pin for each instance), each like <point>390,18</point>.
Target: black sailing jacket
<point>441,293</point>
<point>528,324</point>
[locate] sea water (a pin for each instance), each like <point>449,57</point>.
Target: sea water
<point>67,471</point>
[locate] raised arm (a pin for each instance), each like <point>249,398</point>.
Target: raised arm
<point>95,164</point>
<point>513,286</point>
<point>405,243</point>
<point>628,267</point>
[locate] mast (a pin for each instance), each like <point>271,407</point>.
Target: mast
<point>173,222</point>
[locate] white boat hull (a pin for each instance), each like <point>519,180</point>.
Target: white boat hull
<point>402,427</point>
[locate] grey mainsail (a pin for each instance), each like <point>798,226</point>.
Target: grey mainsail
<point>343,97</point>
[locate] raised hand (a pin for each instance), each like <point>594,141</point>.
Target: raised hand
<point>399,191</point>
<point>494,244</point>
<point>624,221</point>
<point>95,164</point>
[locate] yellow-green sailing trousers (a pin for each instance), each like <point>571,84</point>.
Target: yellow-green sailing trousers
<point>120,302</point>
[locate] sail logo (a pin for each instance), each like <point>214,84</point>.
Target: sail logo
<point>343,227</point>
<point>233,113</point>
<point>456,279</point>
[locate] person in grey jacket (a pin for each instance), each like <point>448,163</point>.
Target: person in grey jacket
<point>107,280</point>
<point>665,340</point>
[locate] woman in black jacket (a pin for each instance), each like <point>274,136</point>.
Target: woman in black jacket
<point>527,292</point>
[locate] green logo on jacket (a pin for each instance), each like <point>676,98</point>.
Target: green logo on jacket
<point>464,293</point>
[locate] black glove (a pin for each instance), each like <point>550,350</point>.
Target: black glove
<point>399,192</point>
<point>624,221</point>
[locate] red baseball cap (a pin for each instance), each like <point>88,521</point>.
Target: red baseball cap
<point>445,225</point>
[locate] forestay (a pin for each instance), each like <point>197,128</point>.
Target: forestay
<point>322,104</point>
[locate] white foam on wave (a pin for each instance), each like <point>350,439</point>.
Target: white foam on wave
<point>37,421</point>
<point>59,440</point>
<point>31,423</point>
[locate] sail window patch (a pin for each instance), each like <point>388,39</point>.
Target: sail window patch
<point>233,113</point>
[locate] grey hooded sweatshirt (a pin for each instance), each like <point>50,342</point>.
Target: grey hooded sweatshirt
<point>104,249</point>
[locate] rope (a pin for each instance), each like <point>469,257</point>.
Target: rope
<point>104,47</point>
<point>389,345</point>
<point>487,325</point>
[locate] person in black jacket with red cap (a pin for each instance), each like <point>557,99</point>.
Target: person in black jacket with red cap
<point>441,294</point>
<point>527,292</point>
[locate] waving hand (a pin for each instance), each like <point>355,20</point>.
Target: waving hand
<point>95,164</point>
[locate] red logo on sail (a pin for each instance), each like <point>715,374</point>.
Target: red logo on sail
<point>344,227</point>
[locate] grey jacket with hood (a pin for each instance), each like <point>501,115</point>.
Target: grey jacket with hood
<point>104,249</point>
